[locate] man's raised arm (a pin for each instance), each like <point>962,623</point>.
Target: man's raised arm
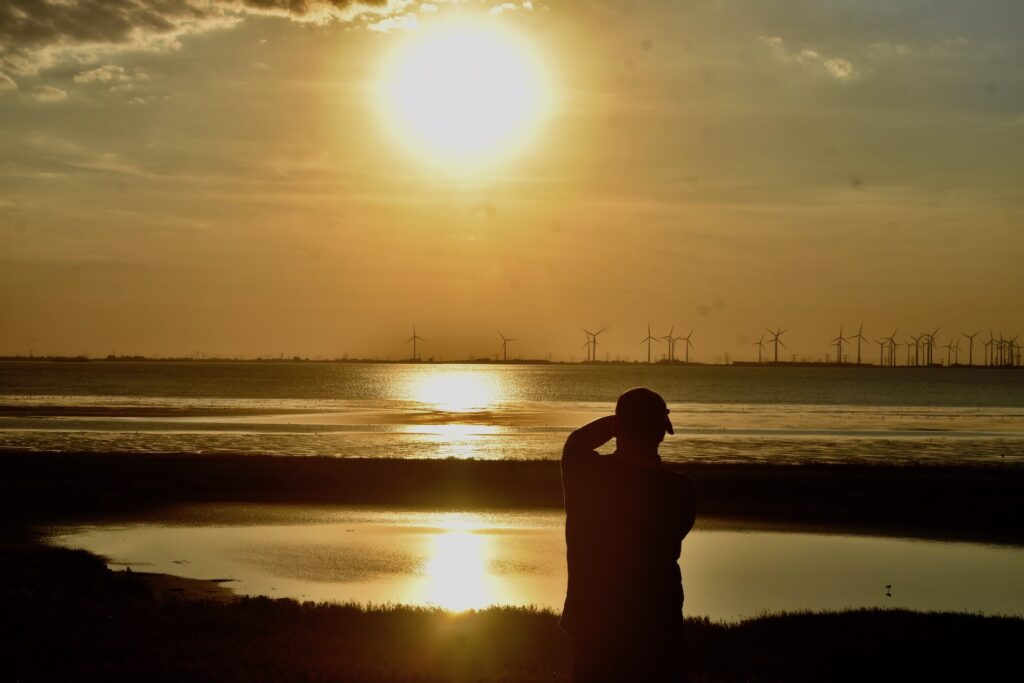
<point>589,437</point>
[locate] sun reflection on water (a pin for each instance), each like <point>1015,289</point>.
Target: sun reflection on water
<point>456,391</point>
<point>455,440</point>
<point>457,567</point>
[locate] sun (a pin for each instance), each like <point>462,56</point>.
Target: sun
<point>464,94</point>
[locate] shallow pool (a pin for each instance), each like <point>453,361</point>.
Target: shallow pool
<point>462,560</point>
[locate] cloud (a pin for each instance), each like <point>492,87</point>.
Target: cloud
<point>511,7</point>
<point>504,7</point>
<point>107,73</point>
<point>840,69</point>
<point>6,82</point>
<point>837,68</point>
<point>402,22</point>
<point>36,35</point>
<point>48,93</point>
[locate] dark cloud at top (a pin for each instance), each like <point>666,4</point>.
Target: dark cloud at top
<point>35,34</point>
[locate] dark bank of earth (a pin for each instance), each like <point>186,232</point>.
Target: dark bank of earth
<point>69,618</point>
<point>984,503</point>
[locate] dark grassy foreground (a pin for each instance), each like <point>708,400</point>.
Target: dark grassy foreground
<point>984,503</point>
<point>67,618</point>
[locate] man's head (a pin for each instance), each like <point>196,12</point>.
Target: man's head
<point>641,416</point>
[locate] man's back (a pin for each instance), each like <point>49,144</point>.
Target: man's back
<point>624,527</point>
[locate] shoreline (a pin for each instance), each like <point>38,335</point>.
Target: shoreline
<point>976,504</point>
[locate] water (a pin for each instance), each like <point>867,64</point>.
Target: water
<point>725,414</point>
<point>463,560</point>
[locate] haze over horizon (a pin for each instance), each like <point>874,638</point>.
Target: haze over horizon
<point>222,176</point>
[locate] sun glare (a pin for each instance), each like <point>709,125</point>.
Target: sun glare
<point>464,94</point>
<point>456,391</point>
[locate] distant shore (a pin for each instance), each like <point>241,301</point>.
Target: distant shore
<point>980,503</point>
<point>492,361</point>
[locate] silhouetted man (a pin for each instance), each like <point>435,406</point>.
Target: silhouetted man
<point>625,519</point>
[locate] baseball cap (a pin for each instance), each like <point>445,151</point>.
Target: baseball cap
<point>640,410</point>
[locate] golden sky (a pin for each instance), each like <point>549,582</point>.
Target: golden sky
<point>225,176</point>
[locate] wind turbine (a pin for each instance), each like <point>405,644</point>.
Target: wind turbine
<point>648,339</point>
<point>586,344</point>
<point>689,344</point>
<point>775,340</point>
<point>930,344</point>
<point>988,348</point>
<point>917,349</point>
<point>414,338</point>
<point>882,343</point>
<point>949,353</point>
<point>760,347</point>
<point>838,341</point>
<point>671,344</point>
<point>593,342</point>
<point>504,346</point>
<point>859,337</point>
<point>970,337</point>
<point>892,349</point>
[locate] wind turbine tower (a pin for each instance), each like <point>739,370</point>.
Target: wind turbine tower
<point>917,349</point>
<point>838,341</point>
<point>586,344</point>
<point>892,349</point>
<point>414,338</point>
<point>970,352</point>
<point>760,347</point>
<point>776,341</point>
<point>671,344</point>
<point>504,346</point>
<point>930,344</point>
<point>648,339</point>
<point>592,339</point>
<point>689,344</point>
<point>859,337</point>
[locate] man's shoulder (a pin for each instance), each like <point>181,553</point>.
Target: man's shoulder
<point>574,454</point>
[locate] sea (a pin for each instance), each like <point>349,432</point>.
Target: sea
<point>724,414</point>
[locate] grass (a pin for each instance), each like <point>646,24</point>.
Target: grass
<point>66,617</point>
